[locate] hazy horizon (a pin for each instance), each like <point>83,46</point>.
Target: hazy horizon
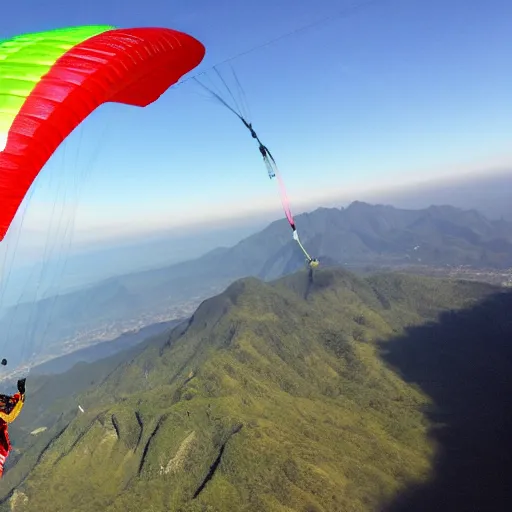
<point>68,271</point>
<point>365,101</point>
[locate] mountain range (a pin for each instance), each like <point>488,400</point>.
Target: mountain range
<point>319,393</point>
<point>357,236</point>
<point>487,193</point>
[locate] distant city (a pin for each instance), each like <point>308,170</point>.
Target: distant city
<point>112,330</point>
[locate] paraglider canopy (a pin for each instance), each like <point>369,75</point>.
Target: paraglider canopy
<point>51,81</point>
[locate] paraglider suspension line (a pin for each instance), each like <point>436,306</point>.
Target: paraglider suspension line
<point>270,163</point>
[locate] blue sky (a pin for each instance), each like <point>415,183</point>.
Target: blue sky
<point>399,91</point>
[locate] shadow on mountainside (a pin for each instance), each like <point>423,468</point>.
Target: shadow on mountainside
<point>464,363</point>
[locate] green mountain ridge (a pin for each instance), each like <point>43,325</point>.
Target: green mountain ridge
<point>273,396</point>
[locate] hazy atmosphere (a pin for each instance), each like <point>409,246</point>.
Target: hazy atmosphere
<point>322,331</point>
<point>395,92</point>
